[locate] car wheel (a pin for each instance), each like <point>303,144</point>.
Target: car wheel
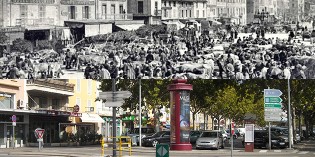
<point>154,143</point>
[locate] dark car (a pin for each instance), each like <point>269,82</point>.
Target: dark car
<point>261,139</point>
<point>135,133</point>
<point>157,138</point>
<point>194,135</point>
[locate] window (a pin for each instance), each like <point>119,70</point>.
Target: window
<point>189,13</point>
<point>170,3</point>
<point>89,104</point>
<point>121,9</point>
<point>23,11</point>
<point>197,13</point>
<point>89,86</point>
<point>140,7</point>
<point>78,85</point>
<point>104,9</point>
<point>55,103</point>
<point>156,5</point>
<point>85,12</point>
<point>197,5</point>
<point>204,5</point>
<point>112,9</point>
<point>182,13</point>
<point>78,102</point>
<point>186,13</point>
<point>72,10</point>
<point>174,4</point>
<point>42,12</point>
<point>164,3</point>
<point>43,102</point>
<point>203,13</point>
<point>165,13</point>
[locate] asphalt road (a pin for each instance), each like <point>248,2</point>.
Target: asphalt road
<point>95,151</point>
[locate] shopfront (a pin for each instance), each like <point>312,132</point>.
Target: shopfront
<point>6,129</point>
<point>107,128</point>
<point>48,120</point>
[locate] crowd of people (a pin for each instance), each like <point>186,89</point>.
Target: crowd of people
<point>228,56</point>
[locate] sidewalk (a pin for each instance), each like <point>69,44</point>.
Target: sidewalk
<point>308,145</point>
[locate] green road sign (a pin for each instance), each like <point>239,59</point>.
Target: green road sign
<point>273,100</point>
<point>273,105</point>
<point>162,150</point>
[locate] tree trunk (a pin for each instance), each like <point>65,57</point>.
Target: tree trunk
<point>194,114</point>
<point>300,126</point>
<point>293,124</point>
<point>204,121</point>
<point>306,127</point>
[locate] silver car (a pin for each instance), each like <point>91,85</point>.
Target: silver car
<point>210,139</point>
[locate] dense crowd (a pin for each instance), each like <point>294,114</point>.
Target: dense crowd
<point>226,56</point>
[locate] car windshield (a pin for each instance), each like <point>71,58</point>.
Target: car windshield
<point>209,134</point>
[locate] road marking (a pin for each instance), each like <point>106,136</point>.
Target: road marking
<point>263,151</point>
<point>278,151</point>
<point>303,152</point>
<point>295,151</point>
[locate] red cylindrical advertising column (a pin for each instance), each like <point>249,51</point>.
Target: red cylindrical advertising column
<point>180,115</point>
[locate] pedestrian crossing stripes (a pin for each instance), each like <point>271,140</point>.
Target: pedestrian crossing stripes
<point>263,151</point>
<point>303,152</point>
<point>278,151</point>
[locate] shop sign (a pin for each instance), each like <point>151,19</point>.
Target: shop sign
<point>34,1</point>
<point>76,2</point>
<point>63,113</point>
<point>12,29</point>
<point>76,114</point>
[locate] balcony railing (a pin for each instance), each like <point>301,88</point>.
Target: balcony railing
<point>60,85</point>
<point>158,12</point>
<point>117,16</point>
<point>35,22</point>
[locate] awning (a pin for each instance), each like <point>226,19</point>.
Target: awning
<point>91,118</point>
<point>130,27</point>
<point>37,28</point>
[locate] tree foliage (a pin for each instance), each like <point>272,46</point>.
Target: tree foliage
<point>22,45</point>
<point>3,38</point>
<point>224,98</point>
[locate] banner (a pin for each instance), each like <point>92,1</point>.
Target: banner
<point>184,97</point>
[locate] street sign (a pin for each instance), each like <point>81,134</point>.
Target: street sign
<point>272,92</point>
<point>13,118</point>
<point>40,133</point>
<point>273,100</point>
<point>13,123</point>
<point>272,105</point>
<point>114,99</point>
<point>162,150</point>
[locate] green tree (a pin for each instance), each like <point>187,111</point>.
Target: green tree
<point>3,38</point>
<point>22,45</point>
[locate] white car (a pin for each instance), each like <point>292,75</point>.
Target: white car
<point>210,139</point>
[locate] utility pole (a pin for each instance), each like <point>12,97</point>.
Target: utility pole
<point>289,115</point>
<point>114,118</point>
<point>140,115</point>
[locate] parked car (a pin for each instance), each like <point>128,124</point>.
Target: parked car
<point>241,131</point>
<point>134,134</point>
<point>210,139</point>
<point>236,134</point>
<point>282,132</point>
<point>261,139</point>
<point>194,135</point>
<point>157,138</point>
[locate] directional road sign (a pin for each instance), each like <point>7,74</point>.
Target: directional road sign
<point>13,118</point>
<point>272,104</point>
<point>162,150</point>
<point>114,99</point>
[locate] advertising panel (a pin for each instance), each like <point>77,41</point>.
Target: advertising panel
<point>249,132</point>
<point>173,119</point>
<point>184,116</point>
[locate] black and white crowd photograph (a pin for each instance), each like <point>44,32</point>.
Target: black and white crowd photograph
<point>229,40</point>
